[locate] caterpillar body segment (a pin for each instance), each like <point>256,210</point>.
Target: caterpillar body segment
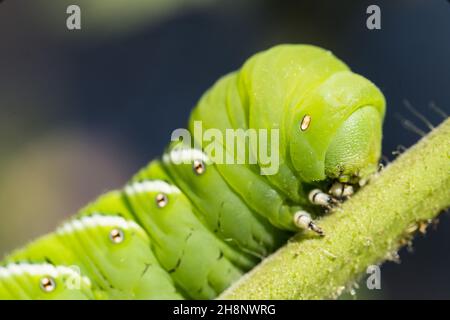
<point>155,171</point>
<point>187,225</point>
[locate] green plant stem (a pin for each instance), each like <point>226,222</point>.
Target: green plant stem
<point>368,229</point>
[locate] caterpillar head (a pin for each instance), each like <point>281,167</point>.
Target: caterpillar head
<point>338,130</point>
<point>355,149</point>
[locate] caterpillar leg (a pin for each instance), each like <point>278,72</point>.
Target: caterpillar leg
<point>341,190</point>
<point>303,220</point>
<point>318,197</point>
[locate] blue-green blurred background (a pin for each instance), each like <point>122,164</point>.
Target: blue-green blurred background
<point>81,111</point>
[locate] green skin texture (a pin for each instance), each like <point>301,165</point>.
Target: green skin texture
<point>219,224</point>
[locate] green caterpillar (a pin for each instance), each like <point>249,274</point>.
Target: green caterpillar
<point>186,227</point>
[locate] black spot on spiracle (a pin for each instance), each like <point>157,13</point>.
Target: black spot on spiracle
<point>220,255</point>
<point>47,259</point>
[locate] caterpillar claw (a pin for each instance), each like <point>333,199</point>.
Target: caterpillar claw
<point>303,220</point>
<point>313,227</point>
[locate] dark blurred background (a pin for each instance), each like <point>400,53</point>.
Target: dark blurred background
<point>81,111</point>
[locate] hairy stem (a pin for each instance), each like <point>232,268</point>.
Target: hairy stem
<point>368,229</point>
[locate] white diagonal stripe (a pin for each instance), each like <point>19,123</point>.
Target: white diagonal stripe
<point>151,186</point>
